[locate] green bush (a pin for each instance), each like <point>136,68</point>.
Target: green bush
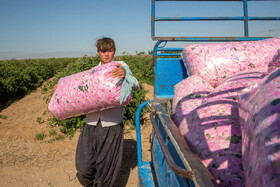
<point>129,110</point>
<point>20,77</point>
<point>68,126</point>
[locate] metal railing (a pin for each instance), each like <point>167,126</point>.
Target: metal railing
<point>245,18</point>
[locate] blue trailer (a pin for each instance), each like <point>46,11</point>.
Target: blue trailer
<point>173,163</point>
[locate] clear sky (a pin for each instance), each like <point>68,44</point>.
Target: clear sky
<point>58,28</point>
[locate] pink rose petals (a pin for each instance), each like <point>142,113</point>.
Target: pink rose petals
<point>87,91</point>
<point>215,62</point>
<point>211,129</point>
<point>260,120</point>
<point>188,94</point>
<point>275,63</point>
<point>237,82</point>
<point>228,110</point>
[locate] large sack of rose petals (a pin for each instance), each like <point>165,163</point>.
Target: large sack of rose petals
<point>260,126</point>
<point>215,62</point>
<point>87,91</point>
<point>275,63</point>
<point>188,95</point>
<point>211,129</point>
<point>237,82</point>
<point>213,132</point>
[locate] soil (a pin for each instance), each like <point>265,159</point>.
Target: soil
<point>25,161</point>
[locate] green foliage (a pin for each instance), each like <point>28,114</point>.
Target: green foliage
<point>20,77</point>
<point>56,138</point>
<point>3,116</point>
<point>39,120</point>
<point>51,137</point>
<point>52,132</point>
<point>40,136</point>
<point>68,126</point>
<point>129,110</point>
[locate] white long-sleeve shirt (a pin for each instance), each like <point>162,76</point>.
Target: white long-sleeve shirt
<point>109,117</point>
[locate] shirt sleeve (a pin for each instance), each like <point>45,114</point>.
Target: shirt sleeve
<point>136,85</point>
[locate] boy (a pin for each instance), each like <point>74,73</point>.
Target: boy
<point>100,145</point>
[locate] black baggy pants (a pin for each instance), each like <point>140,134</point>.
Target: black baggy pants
<point>99,154</point>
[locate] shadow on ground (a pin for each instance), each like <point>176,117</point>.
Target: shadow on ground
<point>129,162</point>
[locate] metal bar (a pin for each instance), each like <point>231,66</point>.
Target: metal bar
<point>168,54</point>
<point>171,49</point>
<point>153,19</point>
<point>170,59</point>
<point>197,18</point>
<point>245,18</point>
<point>156,48</point>
<point>252,18</point>
<point>245,12</point>
<point>213,18</point>
<point>138,132</point>
<point>199,0</point>
<point>214,0</point>
<point>208,39</point>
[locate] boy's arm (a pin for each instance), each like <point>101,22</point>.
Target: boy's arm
<point>120,72</point>
<point>136,85</point>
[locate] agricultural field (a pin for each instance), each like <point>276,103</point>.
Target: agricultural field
<point>21,77</point>
<point>40,147</point>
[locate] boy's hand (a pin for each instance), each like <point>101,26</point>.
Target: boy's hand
<point>119,72</point>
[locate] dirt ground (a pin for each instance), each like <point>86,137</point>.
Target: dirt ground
<point>25,161</point>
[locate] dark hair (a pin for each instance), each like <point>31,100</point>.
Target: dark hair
<point>105,44</point>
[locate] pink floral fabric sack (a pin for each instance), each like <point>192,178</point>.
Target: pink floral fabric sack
<point>237,82</point>
<point>275,63</point>
<point>188,95</point>
<point>214,134</point>
<point>210,128</point>
<point>260,119</point>
<point>88,91</point>
<point>215,62</point>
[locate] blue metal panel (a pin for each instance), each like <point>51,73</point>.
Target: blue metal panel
<point>164,175</point>
<point>168,72</point>
<point>158,163</point>
<point>145,175</point>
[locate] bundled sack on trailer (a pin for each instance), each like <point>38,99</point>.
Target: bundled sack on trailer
<point>259,119</point>
<point>211,129</point>
<point>275,63</point>
<point>88,91</point>
<point>215,62</point>
<point>208,118</point>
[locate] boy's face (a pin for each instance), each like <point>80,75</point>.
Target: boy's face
<point>106,56</point>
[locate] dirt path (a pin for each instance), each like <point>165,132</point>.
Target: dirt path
<point>25,161</point>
